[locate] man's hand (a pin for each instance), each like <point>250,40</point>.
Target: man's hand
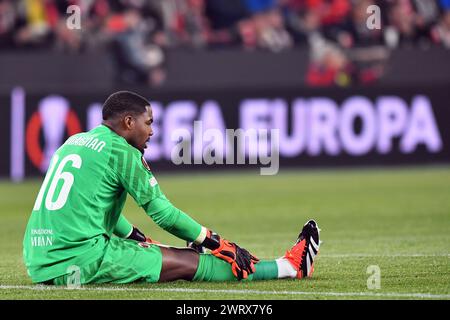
<point>139,236</point>
<point>242,262</point>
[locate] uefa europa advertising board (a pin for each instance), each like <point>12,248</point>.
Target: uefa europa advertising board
<point>275,128</point>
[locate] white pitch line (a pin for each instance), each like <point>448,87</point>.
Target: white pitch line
<point>256,292</point>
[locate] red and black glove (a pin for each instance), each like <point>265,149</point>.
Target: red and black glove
<point>139,236</point>
<point>242,262</point>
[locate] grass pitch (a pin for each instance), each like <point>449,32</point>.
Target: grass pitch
<point>396,219</point>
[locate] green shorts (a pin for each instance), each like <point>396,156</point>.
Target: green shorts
<point>124,261</point>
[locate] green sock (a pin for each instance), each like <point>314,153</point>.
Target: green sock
<point>211,268</point>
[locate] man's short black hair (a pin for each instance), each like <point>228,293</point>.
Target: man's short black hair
<point>124,101</point>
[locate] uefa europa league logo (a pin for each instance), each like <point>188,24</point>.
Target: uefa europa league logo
<point>53,111</point>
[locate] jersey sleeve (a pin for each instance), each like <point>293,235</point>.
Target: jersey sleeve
<point>134,174</point>
<point>172,219</point>
<point>123,227</point>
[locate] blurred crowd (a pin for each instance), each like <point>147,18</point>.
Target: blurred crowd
<point>344,50</point>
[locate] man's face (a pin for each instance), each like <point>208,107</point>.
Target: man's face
<point>142,129</point>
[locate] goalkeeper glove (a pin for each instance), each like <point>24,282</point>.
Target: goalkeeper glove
<point>138,236</point>
<point>197,247</point>
<point>242,262</point>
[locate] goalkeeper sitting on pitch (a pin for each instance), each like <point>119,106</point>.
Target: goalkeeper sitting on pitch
<point>78,209</point>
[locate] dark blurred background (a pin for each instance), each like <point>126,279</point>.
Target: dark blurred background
<point>163,43</point>
<point>229,51</point>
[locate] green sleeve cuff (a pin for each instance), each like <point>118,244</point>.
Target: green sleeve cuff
<point>123,227</point>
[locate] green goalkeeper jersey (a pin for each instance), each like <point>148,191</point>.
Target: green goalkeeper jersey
<point>81,199</point>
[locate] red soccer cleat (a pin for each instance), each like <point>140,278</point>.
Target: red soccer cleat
<point>306,248</point>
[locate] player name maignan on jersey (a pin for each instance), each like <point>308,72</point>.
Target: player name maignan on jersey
<point>87,141</point>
